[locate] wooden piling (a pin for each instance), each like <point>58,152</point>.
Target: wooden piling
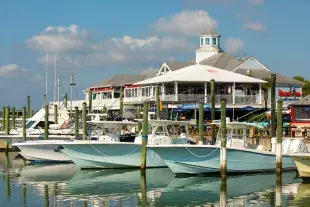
<point>201,118</point>
<point>28,107</point>
<point>24,123</point>
<point>7,120</point>
<point>6,146</point>
<point>55,114</point>
<point>46,123</point>
<point>76,121</point>
<point>121,102</point>
<point>84,108</point>
<point>212,85</point>
<point>7,184</point>
<point>279,190</point>
<point>13,118</point>
<point>279,137</point>
<point>46,196</point>
<point>139,117</point>
<point>157,102</point>
<point>223,192</point>
<point>3,119</point>
<point>104,111</point>
<point>66,100</point>
<point>223,139</point>
<point>144,135</point>
<point>90,100</point>
<point>273,105</point>
<point>24,194</point>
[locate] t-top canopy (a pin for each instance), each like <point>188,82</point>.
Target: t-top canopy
<point>200,73</point>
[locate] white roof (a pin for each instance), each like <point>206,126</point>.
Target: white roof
<point>200,73</point>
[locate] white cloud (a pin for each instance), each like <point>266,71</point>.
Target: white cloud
<point>255,2</point>
<point>234,45</point>
<point>134,43</point>
<point>9,70</point>
<point>188,22</point>
<point>36,78</point>
<point>255,26</point>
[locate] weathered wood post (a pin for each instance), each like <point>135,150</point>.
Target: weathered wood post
<point>212,85</point>
<point>7,184</point>
<point>24,123</point>
<point>90,100</point>
<point>13,118</point>
<point>24,194</point>
<point>143,187</point>
<point>7,120</point>
<point>84,111</point>
<point>46,123</point>
<point>223,139</point>
<point>104,111</point>
<point>55,114</point>
<point>223,192</point>
<point>76,122</point>
<point>28,107</point>
<point>279,137</point>
<point>66,100</point>
<point>273,105</point>
<point>3,119</point>
<point>144,135</point>
<point>121,102</point>
<point>157,102</point>
<point>139,117</point>
<point>201,128</point>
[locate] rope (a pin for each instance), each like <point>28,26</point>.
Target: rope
<point>200,155</point>
<point>115,155</point>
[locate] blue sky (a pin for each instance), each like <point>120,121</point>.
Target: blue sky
<point>96,39</point>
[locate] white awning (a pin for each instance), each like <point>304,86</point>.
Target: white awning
<point>200,73</point>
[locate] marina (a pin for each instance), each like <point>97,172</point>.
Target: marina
<point>184,103</point>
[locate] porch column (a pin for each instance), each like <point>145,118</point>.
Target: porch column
<point>176,91</point>
<point>163,91</point>
<point>234,93</point>
<point>260,94</point>
<point>206,92</point>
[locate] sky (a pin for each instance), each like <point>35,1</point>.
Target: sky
<point>94,40</point>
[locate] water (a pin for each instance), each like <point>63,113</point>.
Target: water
<point>66,185</point>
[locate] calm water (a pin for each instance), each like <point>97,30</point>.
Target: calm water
<point>66,185</point>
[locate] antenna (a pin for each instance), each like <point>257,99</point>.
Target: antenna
<point>72,84</point>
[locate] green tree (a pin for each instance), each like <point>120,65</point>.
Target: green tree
<point>305,85</point>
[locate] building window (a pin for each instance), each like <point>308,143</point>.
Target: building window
<point>302,113</point>
<point>213,41</point>
<point>201,41</point>
<point>207,41</point>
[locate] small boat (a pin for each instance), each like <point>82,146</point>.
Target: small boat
<point>302,162</point>
<point>241,156</point>
<point>100,154</point>
<point>44,151</point>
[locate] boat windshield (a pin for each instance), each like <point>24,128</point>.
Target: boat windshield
<point>29,124</point>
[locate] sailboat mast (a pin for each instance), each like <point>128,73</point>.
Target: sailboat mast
<point>55,78</point>
<point>46,76</point>
<point>58,87</point>
<point>72,84</point>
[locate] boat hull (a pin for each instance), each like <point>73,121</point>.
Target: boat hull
<point>110,155</point>
<point>302,163</point>
<point>206,159</point>
<point>42,152</point>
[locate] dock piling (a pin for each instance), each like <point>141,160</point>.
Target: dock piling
<point>121,102</point>
<point>201,128</point>
<point>279,137</point>
<point>7,120</point>
<point>76,121</point>
<point>24,123</point>
<point>139,117</point>
<point>157,102</point>
<point>143,187</point>
<point>90,100</point>
<point>144,135</point>
<point>46,123</point>
<point>223,139</point>
<point>55,114</point>
<point>28,107</point>
<point>212,85</point>
<point>3,119</point>
<point>279,190</point>
<point>104,111</point>
<point>13,118</point>
<point>273,105</point>
<point>84,108</point>
<point>66,100</point>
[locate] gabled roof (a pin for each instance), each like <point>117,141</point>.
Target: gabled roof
<point>178,65</point>
<point>120,80</point>
<point>200,73</point>
<point>261,74</point>
<point>210,32</point>
<point>305,101</point>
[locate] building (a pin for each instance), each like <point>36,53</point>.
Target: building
<point>300,116</point>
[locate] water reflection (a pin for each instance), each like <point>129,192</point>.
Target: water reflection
<point>303,195</point>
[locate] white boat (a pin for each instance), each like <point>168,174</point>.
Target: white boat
<point>241,157</point>
<point>48,150</point>
<point>302,162</point>
<point>99,154</point>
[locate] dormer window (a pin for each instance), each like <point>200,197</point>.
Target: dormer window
<point>214,41</point>
<point>207,41</point>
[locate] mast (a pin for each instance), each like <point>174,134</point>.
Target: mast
<point>46,76</point>
<point>58,88</point>
<point>72,84</point>
<point>55,78</point>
